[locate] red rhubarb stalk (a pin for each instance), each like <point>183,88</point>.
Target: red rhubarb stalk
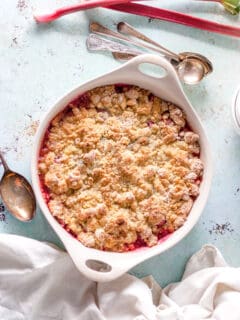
<point>50,16</point>
<point>176,17</point>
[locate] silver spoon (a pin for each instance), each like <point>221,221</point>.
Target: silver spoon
<point>190,70</point>
<point>17,194</point>
<point>127,29</point>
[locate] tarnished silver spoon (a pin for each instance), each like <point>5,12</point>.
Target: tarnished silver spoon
<point>128,30</point>
<point>17,194</point>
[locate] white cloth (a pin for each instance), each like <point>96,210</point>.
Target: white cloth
<point>40,282</point>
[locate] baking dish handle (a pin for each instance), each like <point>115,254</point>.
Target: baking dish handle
<point>152,59</point>
<point>168,82</point>
<point>100,266</point>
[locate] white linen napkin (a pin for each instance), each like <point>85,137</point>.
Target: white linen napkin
<point>40,282</point>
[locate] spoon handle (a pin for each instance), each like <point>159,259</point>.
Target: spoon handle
<point>97,28</point>
<point>96,43</point>
<point>4,163</point>
<point>127,29</point>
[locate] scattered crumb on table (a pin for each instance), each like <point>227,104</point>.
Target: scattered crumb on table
<point>21,5</point>
<point>31,129</point>
<point>220,229</point>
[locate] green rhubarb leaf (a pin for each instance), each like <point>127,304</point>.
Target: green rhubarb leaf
<point>232,6</point>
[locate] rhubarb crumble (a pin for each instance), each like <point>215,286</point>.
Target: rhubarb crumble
<point>120,168</point>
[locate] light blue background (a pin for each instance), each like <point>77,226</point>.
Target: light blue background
<point>39,63</point>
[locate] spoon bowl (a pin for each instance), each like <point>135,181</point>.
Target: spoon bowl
<point>191,71</point>
<point>207,64</point>
<point>17,194</point>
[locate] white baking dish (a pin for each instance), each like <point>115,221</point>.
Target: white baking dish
<point>236,110</point>
<point>105,266</point>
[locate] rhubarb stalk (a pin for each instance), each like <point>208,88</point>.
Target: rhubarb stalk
<point>50,16</point>
<point>176,17</point>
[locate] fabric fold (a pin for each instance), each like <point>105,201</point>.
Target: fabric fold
<point>38,281</point>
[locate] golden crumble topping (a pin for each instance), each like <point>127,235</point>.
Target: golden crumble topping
<point>120,168</point>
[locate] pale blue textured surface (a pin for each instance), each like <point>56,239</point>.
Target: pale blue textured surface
<point>39,63</point>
